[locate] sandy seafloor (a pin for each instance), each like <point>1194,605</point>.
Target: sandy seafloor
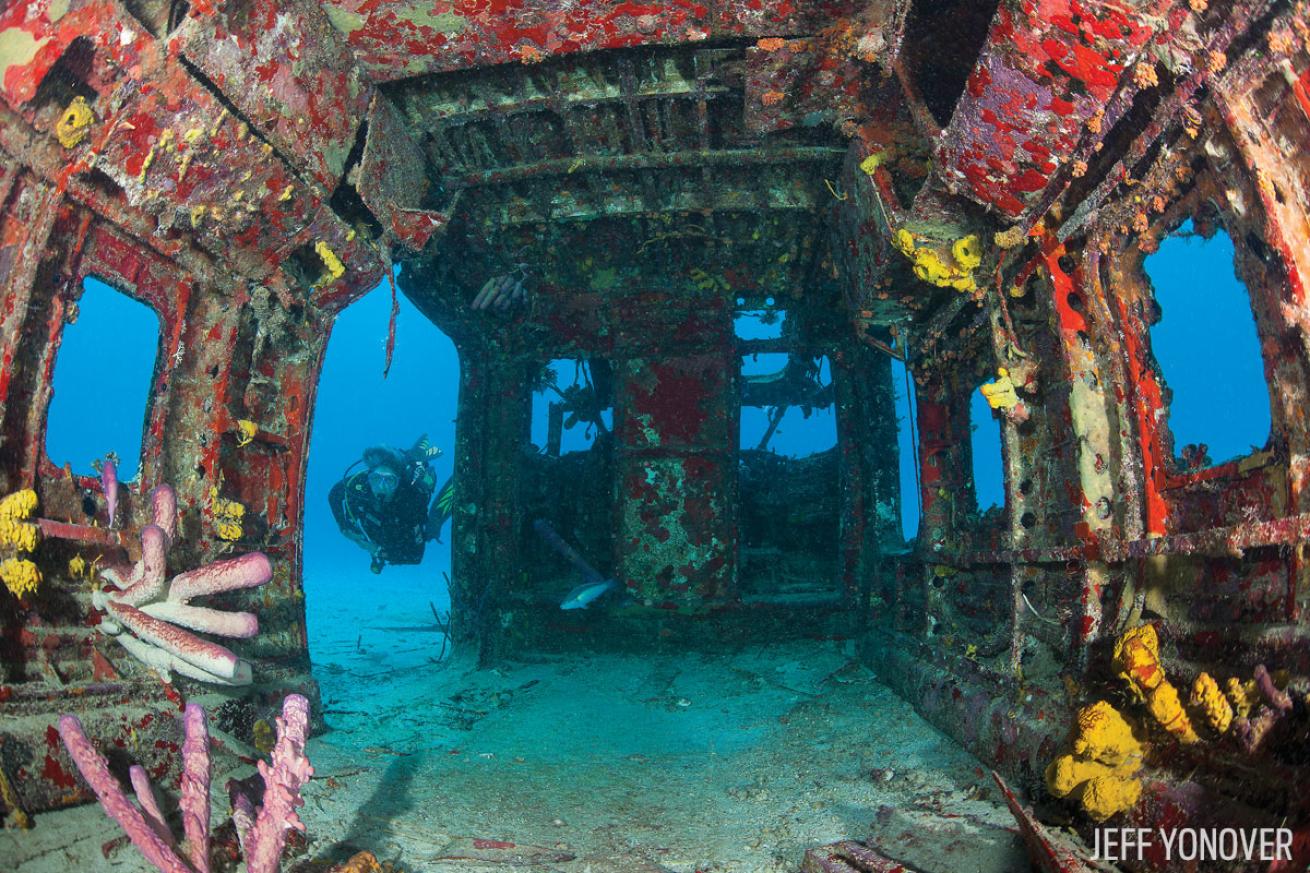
<point>692,762</point>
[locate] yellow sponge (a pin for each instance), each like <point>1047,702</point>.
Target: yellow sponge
<point>1137,659</point>
<point>1242,695</point>
<point>1104,736</point>
<point>20,576</point>
<point>18,506</point>
<point>1000,393</point>
<point>1207,697</point>
<point>17,535</point>
<point>1110,795</point>
<point>1100,772</point>
<point>73,126</point>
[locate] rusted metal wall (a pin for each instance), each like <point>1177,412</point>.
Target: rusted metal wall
<point>677,477</point>
<point>172,200</point>
<point>1119,529</point>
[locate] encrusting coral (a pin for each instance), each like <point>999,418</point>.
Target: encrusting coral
<point>261,833</point>
<point>1137,660</point>
<point>18,537</point>
<point>1100,771</point>
<point>10,806</point>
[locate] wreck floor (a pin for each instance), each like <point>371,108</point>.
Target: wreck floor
<point>689,762</point>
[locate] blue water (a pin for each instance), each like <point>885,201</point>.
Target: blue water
<point>796,435</point>
<point>102,382</point>
<point>1207,347</point>
<point>357,408</point>
<point>760,323</point>
<point>988,462</point>
<point>582,435</point>
<point>907,447</point>
<point>1205,343</point>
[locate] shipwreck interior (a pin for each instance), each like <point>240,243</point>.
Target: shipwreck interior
<point>740,291</point>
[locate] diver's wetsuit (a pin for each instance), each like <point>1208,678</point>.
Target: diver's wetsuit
<point>397,527</point>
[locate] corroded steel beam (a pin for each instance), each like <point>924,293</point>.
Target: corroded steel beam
<point>1047,68</point>
<point>1219,542</point>
<point>1049,856</point>
<point>288,72</point>
<point>82,533</point>
<point>398,40</point>
<point>651,161</point>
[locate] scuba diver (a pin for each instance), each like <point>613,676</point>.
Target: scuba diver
<point>386,506</point>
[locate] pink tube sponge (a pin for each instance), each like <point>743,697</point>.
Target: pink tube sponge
<point>114,801</point>
<point>283,777</point>
<point>195,786</point>
<point>247,571</point>
<point>241,625</point>
<point>163,509</point>
<point>210,657</point>
<point>146,581</point>
<point>262,833</point>
<point>157,612</point>
<point>109,485</point>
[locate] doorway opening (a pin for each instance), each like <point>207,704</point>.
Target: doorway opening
<point>366,622</point>
<point>567,476</point>
<point>789,492</point>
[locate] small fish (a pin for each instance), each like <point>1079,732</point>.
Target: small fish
<point>109,484</point>
<point>582,596</point>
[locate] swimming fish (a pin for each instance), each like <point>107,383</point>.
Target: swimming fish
<point>109,484</point>
<point>582,596</point>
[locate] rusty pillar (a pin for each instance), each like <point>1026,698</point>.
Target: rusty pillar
<point>494,420</point>
<point>677,478</point>
<point>26,320</point>
<point>869,472</point>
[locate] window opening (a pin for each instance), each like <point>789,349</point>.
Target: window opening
<point>1207,348</point>
<point>988,459</point>
<point>801,420</point>
<point>571,406</point>
<point>907,444</point>
<point>90,415</point>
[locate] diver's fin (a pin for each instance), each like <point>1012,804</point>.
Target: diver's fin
<point>442,507</point>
